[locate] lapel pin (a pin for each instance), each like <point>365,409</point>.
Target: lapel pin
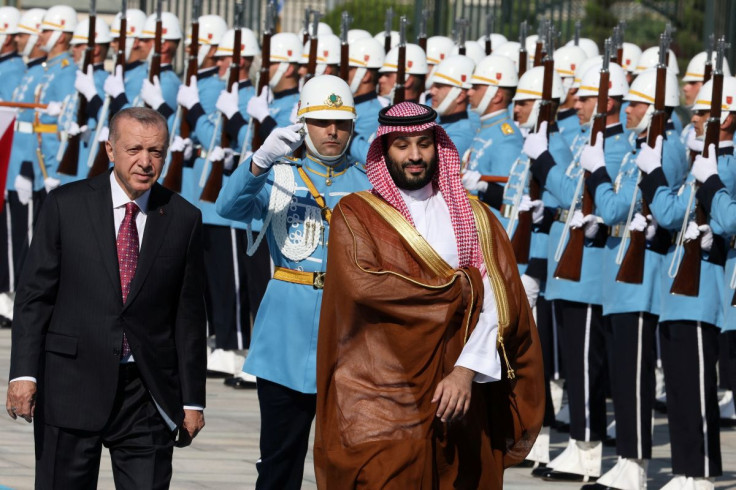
<point>161,211</point>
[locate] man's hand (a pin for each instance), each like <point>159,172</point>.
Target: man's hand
<point>650,159</point>
<point>152,94</point>
<point>85,83</point>
<point>704,168</point>
<point>592,157</point>
<point>114,84</point>
<point>453,394</point>
<point>190,427</point>
<point>188,95</point>
<point>536,143</point>
<point>281,142</point>
<point>471,181</point>
<point>258,106</point>
<point>21,401</point>
<point>536,207</point>
<point>227,102</point>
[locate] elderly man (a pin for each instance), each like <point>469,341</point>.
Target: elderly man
<point>424,324</point>
<point>109,340</point>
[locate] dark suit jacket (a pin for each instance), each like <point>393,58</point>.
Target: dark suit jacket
<point>69,315</point>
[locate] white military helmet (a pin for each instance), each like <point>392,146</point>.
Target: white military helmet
<point>355,34</point>
<point>416,60</point>
<point>495,71</point>
<point>328,52</point>
<point>211,29</point>
<point>248,43</point>
<point>102,32</point>
<point>58,19</point>
<point>617,84</point>
<point>643,90</point>
<point>325,97</point>
<point>584,67</point>
<point>496,40</point>
<point>455,71</point>
<point>286,48</point>
<point>696,68</point>
<point>567,60</point>
<point>631,55</point>
<point>322,29</point>
<point>588,45</point>
<point>170,27</point>
<point>9,17</point>
<point>134,21</point>
<point>438,48</point>
<point>530,88</point>
<point>473,50</point>
<point>728,99</point>
<point>30,23</point>
<point>394,38</point>
<point>650,58</point>
<point>364,54</point>
<point>509,49</point>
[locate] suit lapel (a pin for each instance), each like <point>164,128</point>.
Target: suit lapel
<point>157,222</point>
<point>103,227</point>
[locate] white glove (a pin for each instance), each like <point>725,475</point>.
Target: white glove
<point>114,84</point>
<point>281,142</point>
<point>423,98</point>
<point>531,287</point>
<point>472,182</point>
<point>536,207</point>
<point>216,154</point>
<point>703,168</point>
<point>694,231</point>
<point>74,130</point>
<point>104,133</point>
<point>227,102</point>
<point>184,145</point>
<point>24,188</point>
<point>640,223</point>
<point>650,159</point>
<point>51,183</point>
<point>258,106</point>
<point>85,83</point>
<point>53,109</point>
<point>536,143</point>
<point>293,116</point>
<point>188,95</point>
<point>151,93</point>
<point>693,142</point>
<point>589,223</point>
<point>592,157</point>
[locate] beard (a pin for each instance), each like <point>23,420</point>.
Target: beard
<point>407,181</point>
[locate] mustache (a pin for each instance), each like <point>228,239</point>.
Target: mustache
<point>415,163</point>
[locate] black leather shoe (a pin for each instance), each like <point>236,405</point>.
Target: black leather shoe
<point>239,383</point>
<point>540,470</point>
<point>527,463</point>
<point>596,486</point>
<point>552,475</point>
<point>609,441</point>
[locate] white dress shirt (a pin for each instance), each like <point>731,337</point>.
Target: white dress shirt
<point>432,220</point>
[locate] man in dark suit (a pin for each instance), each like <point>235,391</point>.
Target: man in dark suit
<point>109,337</point>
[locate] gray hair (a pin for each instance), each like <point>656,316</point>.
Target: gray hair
<point>143,115</point>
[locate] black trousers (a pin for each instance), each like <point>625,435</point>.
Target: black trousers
<point>140,443</point>
<point>689,355</point>
<point>583,351</point>
<point>546,326</point>
<point>15,221</point>
<point>727,360</point>
<point>235,284</point>
<point>286,419</point>
<point>632,349</point>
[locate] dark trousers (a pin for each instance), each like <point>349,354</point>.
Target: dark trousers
<point>15,221</point>
<point>140,444</point>
<point>632,349</point>
<point>727,360</point>
<point>689,355</point>
<point>235,284</point>
<point>584,355</point>
<point>286,419</point>
<point>546,326</point>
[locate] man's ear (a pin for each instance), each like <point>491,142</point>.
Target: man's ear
<point>108,149</point>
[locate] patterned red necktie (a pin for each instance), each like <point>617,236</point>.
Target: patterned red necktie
<point>127,256</point>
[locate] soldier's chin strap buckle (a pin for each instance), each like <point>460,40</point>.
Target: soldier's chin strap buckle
<point>318,282</point>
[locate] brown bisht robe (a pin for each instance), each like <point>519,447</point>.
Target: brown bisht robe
<point>394,320</point>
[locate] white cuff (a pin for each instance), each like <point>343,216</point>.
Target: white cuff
<point>23,378</point>
<point>193,407</point>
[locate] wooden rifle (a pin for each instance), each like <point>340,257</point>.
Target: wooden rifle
<point>101,162</point>
<point>264,74</point>
<point>631,270</point>
<point>620,43</point>
<point>154,69</point>
<point>522,49</point>
<point>521,240</point>
<point>214,179</point>
<point>539,47</point>
<point>571,261</point>
<point>422,34</point>
<point>708,59</point>
<point>307,15</point>
<point>313,45</point>
<point>175,170</point>
<point>399,88</point>
<point>69,164</point>
<point>613,56</point>
<point>490,20</point>
<point>344,48</point>
<point>461,26</point>
<point>388,23</point>
<point>687,280</point>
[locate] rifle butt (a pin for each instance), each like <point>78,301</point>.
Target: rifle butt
<point>521,241</point>
<point>214,182</point>
<point>69,163</point>
<point>631,270</point>
<point>687,280</point>
<point>174,175</point>
<point>571,261</point>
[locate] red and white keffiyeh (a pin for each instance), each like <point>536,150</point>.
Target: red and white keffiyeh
<point>409,117</point>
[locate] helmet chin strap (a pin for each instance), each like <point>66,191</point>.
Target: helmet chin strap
<point>329,160</point>
<point>320,69</point>
<point>276,78</point>
<point>32,40</point>
<point>645,120</point>
<point>449,99</point>
<point>428,80</point>
<point>201,53</point>
<point>531,122</point>
<point>357,78</point>
<point>486,100</point>
<point>52,40</point>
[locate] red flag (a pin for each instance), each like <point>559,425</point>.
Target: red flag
<point>7,125</point>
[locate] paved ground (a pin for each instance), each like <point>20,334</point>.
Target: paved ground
<point>224,455</point>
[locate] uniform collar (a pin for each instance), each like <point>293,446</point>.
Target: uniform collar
<point>669,126</point>
<point>494,116</point>
<point>206,73</point>
<point>613,130</point>
<point>359,99</point>
<point>59,58</point>
<point>36,62</point>
<point>9,56</point>
<point>285,93</point>
<point>565,113</point>
<point>725,148</point>
<point>98,67</point>
<point>167,67</point>
<point>133,65</point>
<point>553,127</point>
<point>454,117</point>
<point>312,163</point>
<point>244,84</point>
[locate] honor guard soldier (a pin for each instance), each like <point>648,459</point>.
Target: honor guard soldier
<point>692,83</point>
<point>449,90</point>
<point>365,58</point>
<point>567,59</point>
<point>161,94</point>
<point>124,85</point>
<point>416,72</point>
<point>89,85</point>
<point>631,55</point>
<point>294,197</point>
<point>689,326</point>
<point>648,59</point>
<point>12,67</point>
